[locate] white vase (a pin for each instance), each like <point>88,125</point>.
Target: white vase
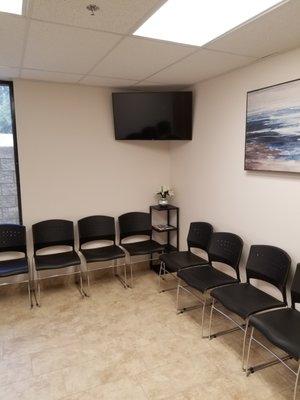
<point>163,201</point>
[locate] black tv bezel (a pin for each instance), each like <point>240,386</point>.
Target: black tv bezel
<point>153,92</point>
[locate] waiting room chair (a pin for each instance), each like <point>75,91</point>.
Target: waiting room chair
<point>265,263</point>
<point>282,329</point>
<point>100,228</point>
<point>137,224</point>
<point>198,237</point>
<point>13,240</point>
<point>224,247</point>
<point>49,234</point>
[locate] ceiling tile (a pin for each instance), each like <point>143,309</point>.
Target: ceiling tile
<point>114,16</point>
<point>276,31</point>
<point>49,76</point>
<point>136,58</point>
<point>65,49</point>
<point>106,81</point>
<point>199,66</point>
<point>12,33</point>
<point>9,72</point>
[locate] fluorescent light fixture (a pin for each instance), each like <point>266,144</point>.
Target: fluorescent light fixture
<point>197,22</point>
<point>11,6</point>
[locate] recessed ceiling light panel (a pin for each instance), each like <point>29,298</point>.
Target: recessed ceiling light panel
<point>197,22</point>
<point>11,6</point>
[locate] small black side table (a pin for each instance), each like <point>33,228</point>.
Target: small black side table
<point>171,228</point>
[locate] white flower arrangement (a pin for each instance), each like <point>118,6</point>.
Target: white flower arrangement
<point>165,192</point>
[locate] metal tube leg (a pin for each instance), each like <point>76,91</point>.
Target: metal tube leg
<point>210,318</point>
<point>159,277</point>
<point>131,273</point>
<point>248,353</point>
<point>30,293</point>
<point>84,292</point>
<point>178,298</point>
<point>203,317</point>
<point>244,344</point>
<point>38,293</point>
<point>296,383</point>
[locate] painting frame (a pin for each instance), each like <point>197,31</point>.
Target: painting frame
<point>247,159</point>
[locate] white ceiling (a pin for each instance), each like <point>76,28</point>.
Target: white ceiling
<point>58,40</point>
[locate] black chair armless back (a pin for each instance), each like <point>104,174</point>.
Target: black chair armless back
<point>199,235</point>
<point>295,289</point>
<point>227,248</point>
<point>270,264</point>
<point>12,238</point>
<point>96,227</point>
<point>53,232</point>
<point>135,223</point>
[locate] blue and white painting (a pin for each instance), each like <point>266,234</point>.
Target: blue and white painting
<point>273,128</point>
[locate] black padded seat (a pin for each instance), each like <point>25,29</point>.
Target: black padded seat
<point>13,267</point>
<point>205,277</point>
<point>280,327</point>
<point>244,299</point>
<point>181,259</point>
<point>57,260</point>
<point>106,253</point>
<point>143,247</point>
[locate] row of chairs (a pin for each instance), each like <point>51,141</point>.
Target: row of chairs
<point>255,307</point>
<point>98,231</point>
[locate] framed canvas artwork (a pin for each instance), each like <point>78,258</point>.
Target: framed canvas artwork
<point>273,128</point>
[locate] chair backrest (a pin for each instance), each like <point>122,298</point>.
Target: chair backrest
<point>53,232</point>
<point>270,264</point>
<point>227,248</point>
<point>199,235</point>
<point>12,238</point>
<point>135,223</point>
<point>295,289</point>
<point>96,227</point>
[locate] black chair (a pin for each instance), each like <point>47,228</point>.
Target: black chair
<point>198,237</point>
<point>265,263</point>
<point>100,228</point>
<point>282,329</point>
<point>51,233</point>
<point>224,247</point>
<point>138,224</point>
<point>13,239</point>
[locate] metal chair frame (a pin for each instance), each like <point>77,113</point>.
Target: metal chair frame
<point>37,277</point>
<point>38,274</point>
<point>22,249</point>
<point>26,278</point>
<point>114,266</point>
<point>163,271</point>
<point>275,361</point>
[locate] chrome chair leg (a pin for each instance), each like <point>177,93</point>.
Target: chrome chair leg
<point>178,298</point>
<point>203,317</point>
<point>244,344</point>
<point>296,383</point>
<point>87,292</point>
<point>159,277</point>
<point>210,318</point>
<point>247,370</point>
<point>30,293</point>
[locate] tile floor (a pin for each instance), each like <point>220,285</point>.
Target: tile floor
<point>121,344</point>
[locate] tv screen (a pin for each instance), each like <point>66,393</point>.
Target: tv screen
<point>153,116</point>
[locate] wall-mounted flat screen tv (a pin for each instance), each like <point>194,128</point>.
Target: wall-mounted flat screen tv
<point>153,115</point>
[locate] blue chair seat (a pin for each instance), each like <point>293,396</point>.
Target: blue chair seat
<point>15,266</point>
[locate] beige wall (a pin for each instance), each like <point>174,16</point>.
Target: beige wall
<point>208,173</point>
<point>70,164</point>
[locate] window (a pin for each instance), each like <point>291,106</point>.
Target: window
<point>10,201</point>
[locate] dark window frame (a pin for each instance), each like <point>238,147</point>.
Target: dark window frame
<point>15,136</point>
